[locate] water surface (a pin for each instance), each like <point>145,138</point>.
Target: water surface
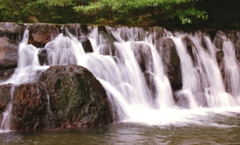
<point>220,129</point>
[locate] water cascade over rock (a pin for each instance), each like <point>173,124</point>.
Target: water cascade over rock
<point>150,76</point>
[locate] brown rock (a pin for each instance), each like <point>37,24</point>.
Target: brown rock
<point>10,28</point>
<point>87,46</point>
<point>42,56</point>
<point>4,96</point>
<point>8,53</point>
<point>41,34</point>
<point>171,63</point>
<point>77,97</point>
<point>5,74</point>
<point>29,107</point>
<point>190,47</point>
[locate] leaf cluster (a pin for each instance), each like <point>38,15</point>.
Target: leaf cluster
<point>184,10</point>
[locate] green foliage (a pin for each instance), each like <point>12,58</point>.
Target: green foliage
<point>166,13</point>
<point>56,2</point>
<point>184,10</point>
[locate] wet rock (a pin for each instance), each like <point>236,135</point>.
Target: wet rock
<point>78,30</point>
<point>150,80</point>
<point>77,98</point>
<point>126,33</point>
<point>106,35</point>
<point>158,32</point>
<point>171,63</point>
<point>102,29</point>
<point>220,57</point>
<point>40,34</point>
<point>144,58</point>
<point>29,107</point>
<point>8,53</point>
<point>191,48</point>
<point>181,99</point>
<point>10,28</point>
<point>4,96</point>
<point>106,43</point>
<point>87,46</point>
<point>143,55</point>
<point>42,56</point>
<point>109,49</point>
<point>218,40</point>
<point>234,38</point>
<point>5,73</point>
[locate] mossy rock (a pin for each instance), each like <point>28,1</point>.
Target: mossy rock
<point>77,97</point>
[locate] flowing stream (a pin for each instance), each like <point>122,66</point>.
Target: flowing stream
<point>128,63</point>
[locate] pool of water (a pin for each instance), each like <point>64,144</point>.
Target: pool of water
<point>223,130</point>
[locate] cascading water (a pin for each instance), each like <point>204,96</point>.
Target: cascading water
<point>123,73</point>
<point>201,76</point>
<point>128,63</point>
<point>231,68</point>
<point>27,71</point>
<point>5,125</point>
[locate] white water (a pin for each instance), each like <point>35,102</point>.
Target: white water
<point>142,93</point>
<point>27,71</point>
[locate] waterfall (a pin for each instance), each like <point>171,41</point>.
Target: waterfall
<point>128,62</point>
<point>28,70</point>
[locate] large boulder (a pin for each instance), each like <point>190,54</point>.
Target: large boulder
<point>41,34</point>
<point>66,97</point>
<point>77,97</point>
<point>8,53</point>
